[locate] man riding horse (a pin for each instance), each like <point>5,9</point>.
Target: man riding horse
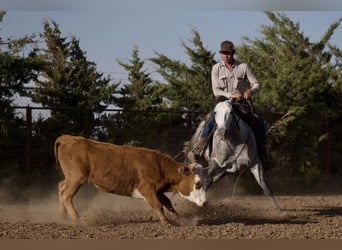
<point>228,79</point>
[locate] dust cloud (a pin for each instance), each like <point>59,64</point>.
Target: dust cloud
<point>94,207</point>
<point>41,205</point>
<point>37,205</point>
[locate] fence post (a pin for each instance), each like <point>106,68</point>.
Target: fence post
<point>327,167</point>
<point>189,123</point>
<point>29,138</point>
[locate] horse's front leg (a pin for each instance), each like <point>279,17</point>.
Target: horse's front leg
<point>258,173</point>
<point>214,173</point>
<point>233,169</point>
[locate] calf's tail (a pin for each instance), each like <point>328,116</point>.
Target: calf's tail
<point>57,143</point>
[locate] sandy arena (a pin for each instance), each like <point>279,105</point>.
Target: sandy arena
<point>107,216</point>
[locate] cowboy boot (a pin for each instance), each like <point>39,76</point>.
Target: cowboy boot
<point>198,150</point>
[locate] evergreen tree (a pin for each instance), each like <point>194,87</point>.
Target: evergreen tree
<point>188,87</point>
<point>141,92</point>
<point>70,82</point>
<point>141,100</point>
<point>300,83</point>
<point>139,95</point>
<point>19,65</point>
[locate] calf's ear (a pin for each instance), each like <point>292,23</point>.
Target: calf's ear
<point>184,170</point>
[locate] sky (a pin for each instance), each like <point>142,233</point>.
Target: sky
<point>109,29</point>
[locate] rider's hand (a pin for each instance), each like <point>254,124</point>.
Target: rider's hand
<point>248,94</point>
<point>236,95</point>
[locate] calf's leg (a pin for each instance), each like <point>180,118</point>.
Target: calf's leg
<point>61,188</point>
<point>151,198</point>
<point>167,203</point>
<point>67,191</point>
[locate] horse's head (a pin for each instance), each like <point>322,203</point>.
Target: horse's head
<point>223,117</point>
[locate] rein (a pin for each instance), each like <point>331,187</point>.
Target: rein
<point>236,121</point>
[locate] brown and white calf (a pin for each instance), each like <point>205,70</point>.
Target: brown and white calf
<point>125,170</point>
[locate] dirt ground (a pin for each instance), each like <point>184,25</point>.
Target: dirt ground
<point>107,216</point>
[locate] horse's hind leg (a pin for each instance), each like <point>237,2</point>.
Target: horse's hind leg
<point>259,176</point>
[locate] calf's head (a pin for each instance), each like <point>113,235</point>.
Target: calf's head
<point>192,185</point>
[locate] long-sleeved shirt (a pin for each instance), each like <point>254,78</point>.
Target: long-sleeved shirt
<point>225,82</point>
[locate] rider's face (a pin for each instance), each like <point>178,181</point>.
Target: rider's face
<point>227,56</point>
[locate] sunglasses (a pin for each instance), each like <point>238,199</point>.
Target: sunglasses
<point>227,52</point>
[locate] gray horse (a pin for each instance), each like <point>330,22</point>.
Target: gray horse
<point>233,147</point>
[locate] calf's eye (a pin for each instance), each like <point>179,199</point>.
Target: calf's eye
<point>198,185</point>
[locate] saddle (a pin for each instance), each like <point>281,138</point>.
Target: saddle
<point>245,111</point>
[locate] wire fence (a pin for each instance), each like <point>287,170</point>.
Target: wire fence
<point>32,127</point>
<point>31,146</point>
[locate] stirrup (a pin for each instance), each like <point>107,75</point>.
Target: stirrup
<point>196,153</point>
<point>193,157</point>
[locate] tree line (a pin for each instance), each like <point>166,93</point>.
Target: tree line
<point>300,98</point>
